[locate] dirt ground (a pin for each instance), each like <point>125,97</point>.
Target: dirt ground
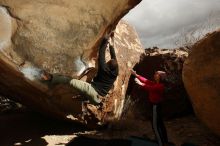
<point>31,129</point>
<point>181,130</point>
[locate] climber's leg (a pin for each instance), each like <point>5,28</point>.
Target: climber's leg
<point>86,89</point>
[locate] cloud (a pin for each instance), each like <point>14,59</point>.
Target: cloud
<point>158,21</point>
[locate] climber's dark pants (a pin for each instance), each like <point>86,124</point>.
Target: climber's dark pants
<point>158,125</point>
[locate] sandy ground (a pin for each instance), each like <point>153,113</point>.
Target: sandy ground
<point>31,129</point>
<point>181,130</point>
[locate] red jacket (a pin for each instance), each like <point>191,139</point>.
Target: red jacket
<point>155,90</point>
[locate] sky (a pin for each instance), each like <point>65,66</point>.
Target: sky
<point>169,23</point>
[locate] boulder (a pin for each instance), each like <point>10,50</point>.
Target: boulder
<point>201,76</point>
<point>176,101</point>
<point>62,37</point>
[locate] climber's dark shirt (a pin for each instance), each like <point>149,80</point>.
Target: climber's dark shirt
<point>105,77</point>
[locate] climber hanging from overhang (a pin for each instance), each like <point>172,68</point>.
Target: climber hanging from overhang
<point>101,83</point>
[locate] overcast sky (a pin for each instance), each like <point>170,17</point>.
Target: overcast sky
<point>162,22</point>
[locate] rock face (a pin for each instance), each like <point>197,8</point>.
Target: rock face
<point>201,76</point>
<point>176,101</point>
<point>62,37</point>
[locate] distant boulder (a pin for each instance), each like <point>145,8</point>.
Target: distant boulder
<point>176,101</point>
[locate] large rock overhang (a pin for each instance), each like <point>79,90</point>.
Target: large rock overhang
<point>61,37</point>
